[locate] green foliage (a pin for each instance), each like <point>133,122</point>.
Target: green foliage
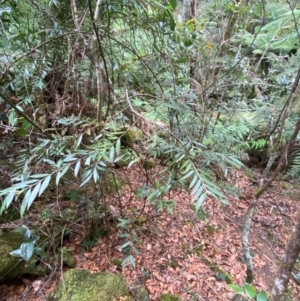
<point>199,109</point>
<point>27,248</point>
<point>278,34</point>
<point>249,291</point>
<point>169,297</point>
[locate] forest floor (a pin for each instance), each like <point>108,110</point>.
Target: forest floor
<point>181,253</point>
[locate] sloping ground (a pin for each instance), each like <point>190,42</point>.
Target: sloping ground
<point>181,254</point>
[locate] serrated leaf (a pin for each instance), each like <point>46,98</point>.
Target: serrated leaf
<point>249,290</point>
<point>45,184</point>
<point>262,296</point>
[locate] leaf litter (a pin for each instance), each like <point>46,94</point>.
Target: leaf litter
<point>180,253</point>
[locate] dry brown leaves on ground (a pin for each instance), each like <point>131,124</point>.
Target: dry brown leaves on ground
<point>179,253</point>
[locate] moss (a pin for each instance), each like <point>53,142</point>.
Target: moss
<point>117,262</point>
<point>35,267</point>
<point>169,297</point>
<point>220,274</point>
<point>140,293</point>
<point>114,183</point>
<point>68,259</point>
<point>127,138</point>
<point>147,164</point>
<point>211,229</point>
<point>10,267</point>
<point>81,285</point>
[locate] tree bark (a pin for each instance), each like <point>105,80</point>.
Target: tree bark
<point>264,186</point>
<point>290,256</point>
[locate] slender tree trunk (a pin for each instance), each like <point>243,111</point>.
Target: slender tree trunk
<point>264,186</point>
<point>291,254</point>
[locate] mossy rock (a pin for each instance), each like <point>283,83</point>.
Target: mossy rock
<point>11,267</point>
<point>81,285</point>
<point>140,293</point>
<point>169,297</point>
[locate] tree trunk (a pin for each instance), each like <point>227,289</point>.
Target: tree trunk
<point>291,254</point>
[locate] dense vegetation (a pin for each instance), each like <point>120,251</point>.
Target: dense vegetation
<point>199,87</point>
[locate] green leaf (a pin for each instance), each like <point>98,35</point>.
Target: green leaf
<point>262,296</point>
<point>69,158</point>
<point>87,177</point>
<point>7,201</point>
<point>118,146</point>
<point>57,178</point>
<point>193,181</point>
<point>38,176</point>
<point>26,250</point>
<point>129,259</point>
<point>87,161</point>
<point>236,288</point>
<point>25,202</point>
<point>33,194</point>
<point>60,174</point>
<point>187,175</point>
<point>78,142</point>
<point>77,167</point>
<point>16,253</point>
<point>95,175</point>
<point>111,154</point>
<point>200,201</point>
<point>197,194</point>
<point>196,188</point>
<point>44,185</point>
<point>249,290</point>
<point>173,4</point>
